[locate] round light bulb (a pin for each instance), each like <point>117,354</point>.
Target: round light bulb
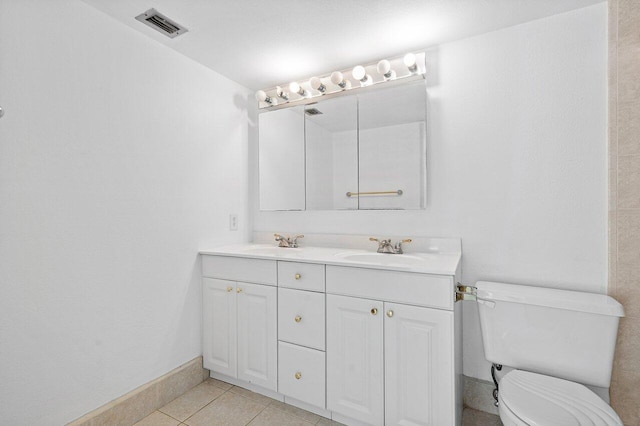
<point>359,72</point>
<point>294,87</point>
<point>384,67</point>
<point>315,83</point>
<point>261,96</point>
<point>410,61</point>
<point>337,77</point>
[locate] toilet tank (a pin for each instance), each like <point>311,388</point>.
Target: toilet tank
<point>561,333</point>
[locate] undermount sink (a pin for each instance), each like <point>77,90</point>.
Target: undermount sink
<point>381,258</point>
<point>269,250</point>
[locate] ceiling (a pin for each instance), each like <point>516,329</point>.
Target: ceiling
<point>260,43</point>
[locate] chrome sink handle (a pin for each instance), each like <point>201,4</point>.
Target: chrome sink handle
<point>294,243</point>
<point>398,247</point>
<point>282,241</point>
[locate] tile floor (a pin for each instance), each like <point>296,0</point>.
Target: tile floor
<point>214,403</point>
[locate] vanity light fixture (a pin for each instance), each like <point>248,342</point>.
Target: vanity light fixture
<point>281,94</point>
<point>359,73</point>
<point>410,62</point>
<point>407,67</point>
<point>295,88</point>
<point>316,84</point>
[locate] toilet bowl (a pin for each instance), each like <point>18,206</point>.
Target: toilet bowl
<point>557,341</point>
<point>535,399</point>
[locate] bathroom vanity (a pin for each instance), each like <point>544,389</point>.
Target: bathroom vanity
<point>353,335</point>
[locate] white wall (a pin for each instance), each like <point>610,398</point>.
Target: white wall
<point>516,161</point>
<point>119,160</point>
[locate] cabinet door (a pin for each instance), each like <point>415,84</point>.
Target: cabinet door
<point>219,326</point>
<point>354,358</point>
<point>257,334</point>
<point>419,366</point>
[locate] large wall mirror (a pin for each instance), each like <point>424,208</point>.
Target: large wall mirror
<point>365,151</point>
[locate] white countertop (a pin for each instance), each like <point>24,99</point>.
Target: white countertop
<point>433,262</point>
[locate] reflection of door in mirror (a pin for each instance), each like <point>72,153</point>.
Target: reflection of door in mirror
<point>331,134</point>
<point>392,147</point>
<point>282,159</point>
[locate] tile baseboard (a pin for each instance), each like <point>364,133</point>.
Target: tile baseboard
<point>144,400</point>
<point>478,394</point>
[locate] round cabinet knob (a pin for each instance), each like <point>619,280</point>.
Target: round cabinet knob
<point>297,276</point>
<point>390,313</point>
<point>239,290</point>
<point>298,375</point>
<point>298,318</point>
<point>229,289</point>
<point>374,311</point>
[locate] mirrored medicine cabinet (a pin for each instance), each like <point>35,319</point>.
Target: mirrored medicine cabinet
<point>364,151</point>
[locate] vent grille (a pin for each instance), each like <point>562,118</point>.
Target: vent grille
<point>161,23</point>
<point>313,111</point>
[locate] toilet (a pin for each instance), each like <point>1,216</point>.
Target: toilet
<point>556,342</point>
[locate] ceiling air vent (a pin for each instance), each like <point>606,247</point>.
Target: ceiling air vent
<point>161,23</point>
<point>313,111</point>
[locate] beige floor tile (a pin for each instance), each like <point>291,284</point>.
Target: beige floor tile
<point>272,416</point>
<point>157,419</point>
<point>193,400</point>
<point>253,396</point>
<point>229,409</point>
<point>295,411</point>
<point>220,383</point>
<point>471,417</point>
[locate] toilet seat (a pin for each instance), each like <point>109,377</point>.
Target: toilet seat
<point>539,400</point>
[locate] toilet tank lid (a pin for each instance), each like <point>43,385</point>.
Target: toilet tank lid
<point>550,297</point>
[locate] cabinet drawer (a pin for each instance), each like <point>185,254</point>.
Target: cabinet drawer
<point>301,374</point>
<point>435,291</point>
<point>303,276</point>
<point>240,269</point>
<point>301,317</point>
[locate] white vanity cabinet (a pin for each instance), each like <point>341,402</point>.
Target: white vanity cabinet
<point>389,363</point>
<point>240,319</point>
<point>361,345</point>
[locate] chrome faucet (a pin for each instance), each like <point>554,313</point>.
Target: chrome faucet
<point>287,242</point>
<point>385,246</point>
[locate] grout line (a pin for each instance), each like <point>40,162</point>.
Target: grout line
<point>206,405</point>
<point>259,412</point>
<point>169,415</point>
